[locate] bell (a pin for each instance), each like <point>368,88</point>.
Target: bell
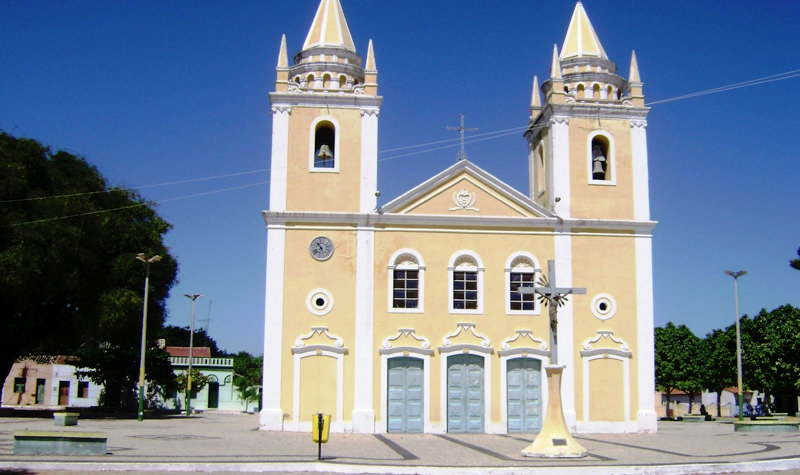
<point>324,152</point>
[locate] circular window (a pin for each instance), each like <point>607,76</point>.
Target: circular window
<point>319,302</point>
<point>604,306</point>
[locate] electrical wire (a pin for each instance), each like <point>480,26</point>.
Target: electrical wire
<point>451,143</point>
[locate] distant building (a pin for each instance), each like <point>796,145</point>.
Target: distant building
<point>48,385</point>
<point>219,393</point>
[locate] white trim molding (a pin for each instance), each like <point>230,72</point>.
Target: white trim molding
<point>466,261</point>
<point>312,137</point>
<point>334,350</point>
<point>406,259</point>
<point>271,415</point>
<point>521,262</point>
<point>620,353</point>
<point>611,159</point>
<point>424,353</point>
<point>279,162</point>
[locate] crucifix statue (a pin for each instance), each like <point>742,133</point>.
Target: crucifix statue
<point>553,297</point>
<point>554,439</point>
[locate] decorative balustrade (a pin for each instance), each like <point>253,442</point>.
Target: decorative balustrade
<point>201,361</point>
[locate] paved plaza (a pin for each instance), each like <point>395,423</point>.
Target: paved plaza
<point>214,442</point>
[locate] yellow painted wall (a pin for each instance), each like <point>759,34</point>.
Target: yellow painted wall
<point>600,201</point>
<point>324,191</point>
<point>318,375</point>
<point>487,202</point>
<point>436,248</point>
<point>607,266</point>
<point>303,274</point>
<point>606,387</point>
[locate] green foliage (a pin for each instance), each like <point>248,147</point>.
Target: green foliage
<point>795,263</point>
<point>771,350</point>
<point>199,381</point>
<point>680,356</point>
<point>70,280</point>
<point>247,376</point>
<point>719,370</point>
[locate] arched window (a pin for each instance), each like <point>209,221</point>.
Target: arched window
<point>596,91</point>
<point>521,271</point>
<point>539,170</point>
<point>326,81</point>
<point>601,158</point>
<point>324,145</point>
<point>466,283</point>
<point>406,282</point>
<point>581,92</point>
<point>342,81</point>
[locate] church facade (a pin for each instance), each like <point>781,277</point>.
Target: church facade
<point>420,315</point>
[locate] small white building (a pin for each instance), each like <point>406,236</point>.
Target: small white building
<point>46,385</point>
<point>219,393</point>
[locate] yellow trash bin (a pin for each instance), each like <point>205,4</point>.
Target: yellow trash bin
<point>320,427</point>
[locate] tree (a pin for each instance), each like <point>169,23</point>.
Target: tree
<point>199,381</point>
<point>719,370</point>
<point>678,361</point>
<point>68,243</point>
<point>795,263</point>
<point>179,336</point>
<point>247,374</point>
<point>771,352</point>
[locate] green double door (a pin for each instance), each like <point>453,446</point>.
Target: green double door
<point>405,394</point>
<point>524,395</point>
<point>465,393</point>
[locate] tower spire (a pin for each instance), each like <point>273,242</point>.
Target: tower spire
<point>581,40</point>
<point>329,28</point>
<point>536,102</point>
<point>634,71</point>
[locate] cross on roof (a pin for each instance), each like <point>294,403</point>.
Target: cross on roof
<point>555,297</point>
<point>462,154</point>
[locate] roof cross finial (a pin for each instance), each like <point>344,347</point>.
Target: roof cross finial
<point>462,154</point>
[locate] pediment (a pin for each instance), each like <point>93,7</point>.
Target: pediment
<point>465,189</point>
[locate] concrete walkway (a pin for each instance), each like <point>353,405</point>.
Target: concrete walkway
<point>213,442</point>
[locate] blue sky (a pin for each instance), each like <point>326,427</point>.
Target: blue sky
<point>176,94</point>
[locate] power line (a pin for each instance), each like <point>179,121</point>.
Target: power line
<point>144,203</point>
<point>473,139</point>
<point>170,183</point>
<point>730,87</point>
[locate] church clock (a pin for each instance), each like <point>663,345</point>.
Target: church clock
<point>321,248</point>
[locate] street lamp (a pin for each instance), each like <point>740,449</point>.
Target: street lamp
<point>736,276</point>
<point>147,262</point>
<point>191,344</point>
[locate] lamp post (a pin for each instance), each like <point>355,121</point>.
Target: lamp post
<point>191,344</point>
<point>736,276</point>
<point>147,261</point>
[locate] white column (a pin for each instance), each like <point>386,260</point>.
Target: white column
<point>271,417</point>
<point>559,127</point>
<point>363,347</point>
<point>566,326</point>
<point>280,157</point>
<point>641,187</point>
<point>645,361</point>
<point>369,159</point>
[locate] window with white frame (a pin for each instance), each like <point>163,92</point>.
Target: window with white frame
<point>601,158</point>
<point>466,283</point>
<point>324,145</point>
<point>521,271</point>
<point>406,279</point>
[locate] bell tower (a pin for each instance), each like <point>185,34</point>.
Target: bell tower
<point>325,122</point>
<point>587,142</point>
